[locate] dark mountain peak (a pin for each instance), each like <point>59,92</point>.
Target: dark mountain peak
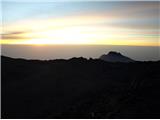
<point>113,56</point>
<point>78,59</point>
<point>114,53</point>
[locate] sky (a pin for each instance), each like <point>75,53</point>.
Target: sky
<point>81,23</point>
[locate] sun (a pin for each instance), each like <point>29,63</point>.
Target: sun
<point>62,36</point>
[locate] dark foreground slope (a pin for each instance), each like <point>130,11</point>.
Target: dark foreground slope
<point>79,88</point>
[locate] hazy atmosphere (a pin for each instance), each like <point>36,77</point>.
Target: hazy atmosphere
<point>87,51</point>
<point>50,30</point>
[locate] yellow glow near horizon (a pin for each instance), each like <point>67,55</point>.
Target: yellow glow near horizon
<point>50,42</point>
<point>78,30</point>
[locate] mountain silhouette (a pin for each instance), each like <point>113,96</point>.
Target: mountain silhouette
<point>79,88</point>
<point>113,56</point>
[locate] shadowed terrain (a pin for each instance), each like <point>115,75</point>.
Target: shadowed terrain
<point>79,88</point>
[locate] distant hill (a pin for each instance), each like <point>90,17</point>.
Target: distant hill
<point>79,88</point>
<point>115,57</point>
